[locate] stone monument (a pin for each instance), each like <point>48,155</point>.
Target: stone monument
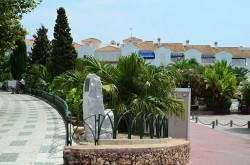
<point>93,105</point>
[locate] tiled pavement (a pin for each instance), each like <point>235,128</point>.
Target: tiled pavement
<point>31,131</point>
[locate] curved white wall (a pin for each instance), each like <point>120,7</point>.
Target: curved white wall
<point>193,53</point>
<point>162,57</point>
<point>128,49</point>
<point>224,56</point>
<point>85,50</point>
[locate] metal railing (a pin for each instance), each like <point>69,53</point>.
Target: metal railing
<point>60,106</point>
<point>155,125</point>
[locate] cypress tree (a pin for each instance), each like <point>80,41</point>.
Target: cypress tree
<point>41,49</point>
<point>18,60</point>
<point>63,54</point>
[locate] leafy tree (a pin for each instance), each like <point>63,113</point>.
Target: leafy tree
<point>18,60</point>
<point>5,73</point>
<point>63,55</point>
<point>11,12</point>
<point>187,73</point>
<point>41,49</point>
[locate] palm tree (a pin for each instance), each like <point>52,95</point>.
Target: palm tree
<point>132,85</point>
<point>69,86</point>
<point>220,85</point>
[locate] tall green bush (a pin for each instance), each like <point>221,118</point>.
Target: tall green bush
<point>63,55</point>
<point>18,60</point>
<point>246,92</point>
<point>41,48</point>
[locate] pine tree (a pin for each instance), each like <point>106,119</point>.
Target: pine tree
<point>63,55</point>
<point>41,49</point>
<point>18,60</point>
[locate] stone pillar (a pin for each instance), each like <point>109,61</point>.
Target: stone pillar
<point>92,107</point>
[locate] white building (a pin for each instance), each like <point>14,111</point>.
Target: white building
<point>160,54</point>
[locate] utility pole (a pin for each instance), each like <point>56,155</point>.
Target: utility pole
<point>131,31</point>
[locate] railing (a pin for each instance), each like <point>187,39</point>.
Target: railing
<point>60,105</point>
<point>155,125</point>
<point>217,123</point>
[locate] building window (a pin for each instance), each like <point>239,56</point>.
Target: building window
<point>207,58</point>
<point>239,61</point>
<point>177,56</point>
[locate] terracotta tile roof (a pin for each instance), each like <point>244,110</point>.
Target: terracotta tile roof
<point>235,51</point>
<point>90,40</point>
<point>29,41</point>
<point>108,48</point>
<point>174,47</point>
<point>76,45</point>
<point>204,49</point>
<point>147,45</point>
<point>246,53</point>
<point>132,39</point>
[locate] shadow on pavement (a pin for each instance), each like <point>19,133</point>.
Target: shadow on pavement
<point>239,130</point>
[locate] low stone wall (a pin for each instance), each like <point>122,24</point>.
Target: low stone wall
<point>175,152</point>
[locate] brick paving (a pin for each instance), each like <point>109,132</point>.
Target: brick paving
<point>31,131</point>
<point>223,145</point>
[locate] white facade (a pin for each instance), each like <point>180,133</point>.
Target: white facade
<point>128,49</point>
<point>85,50</point>
<point>223,55</point>
<point>193,54</point>
<point>108,56</point>
<point>162,57</point>
<point>204,54</point>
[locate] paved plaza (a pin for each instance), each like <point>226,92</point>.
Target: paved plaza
<point>223,145</point>
<point>31,131</point>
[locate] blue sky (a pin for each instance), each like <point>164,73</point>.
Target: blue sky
<point>200,21</point>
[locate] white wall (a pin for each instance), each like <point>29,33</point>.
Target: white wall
<point>28,48</point>
<point>85,50</point>
<point>128,49</point>
<point>224,56</point>
<point>180,128</point>
<point>247,63</point>
<point>193,53</point>
<point>162,57</point>
<point>107,55</point>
